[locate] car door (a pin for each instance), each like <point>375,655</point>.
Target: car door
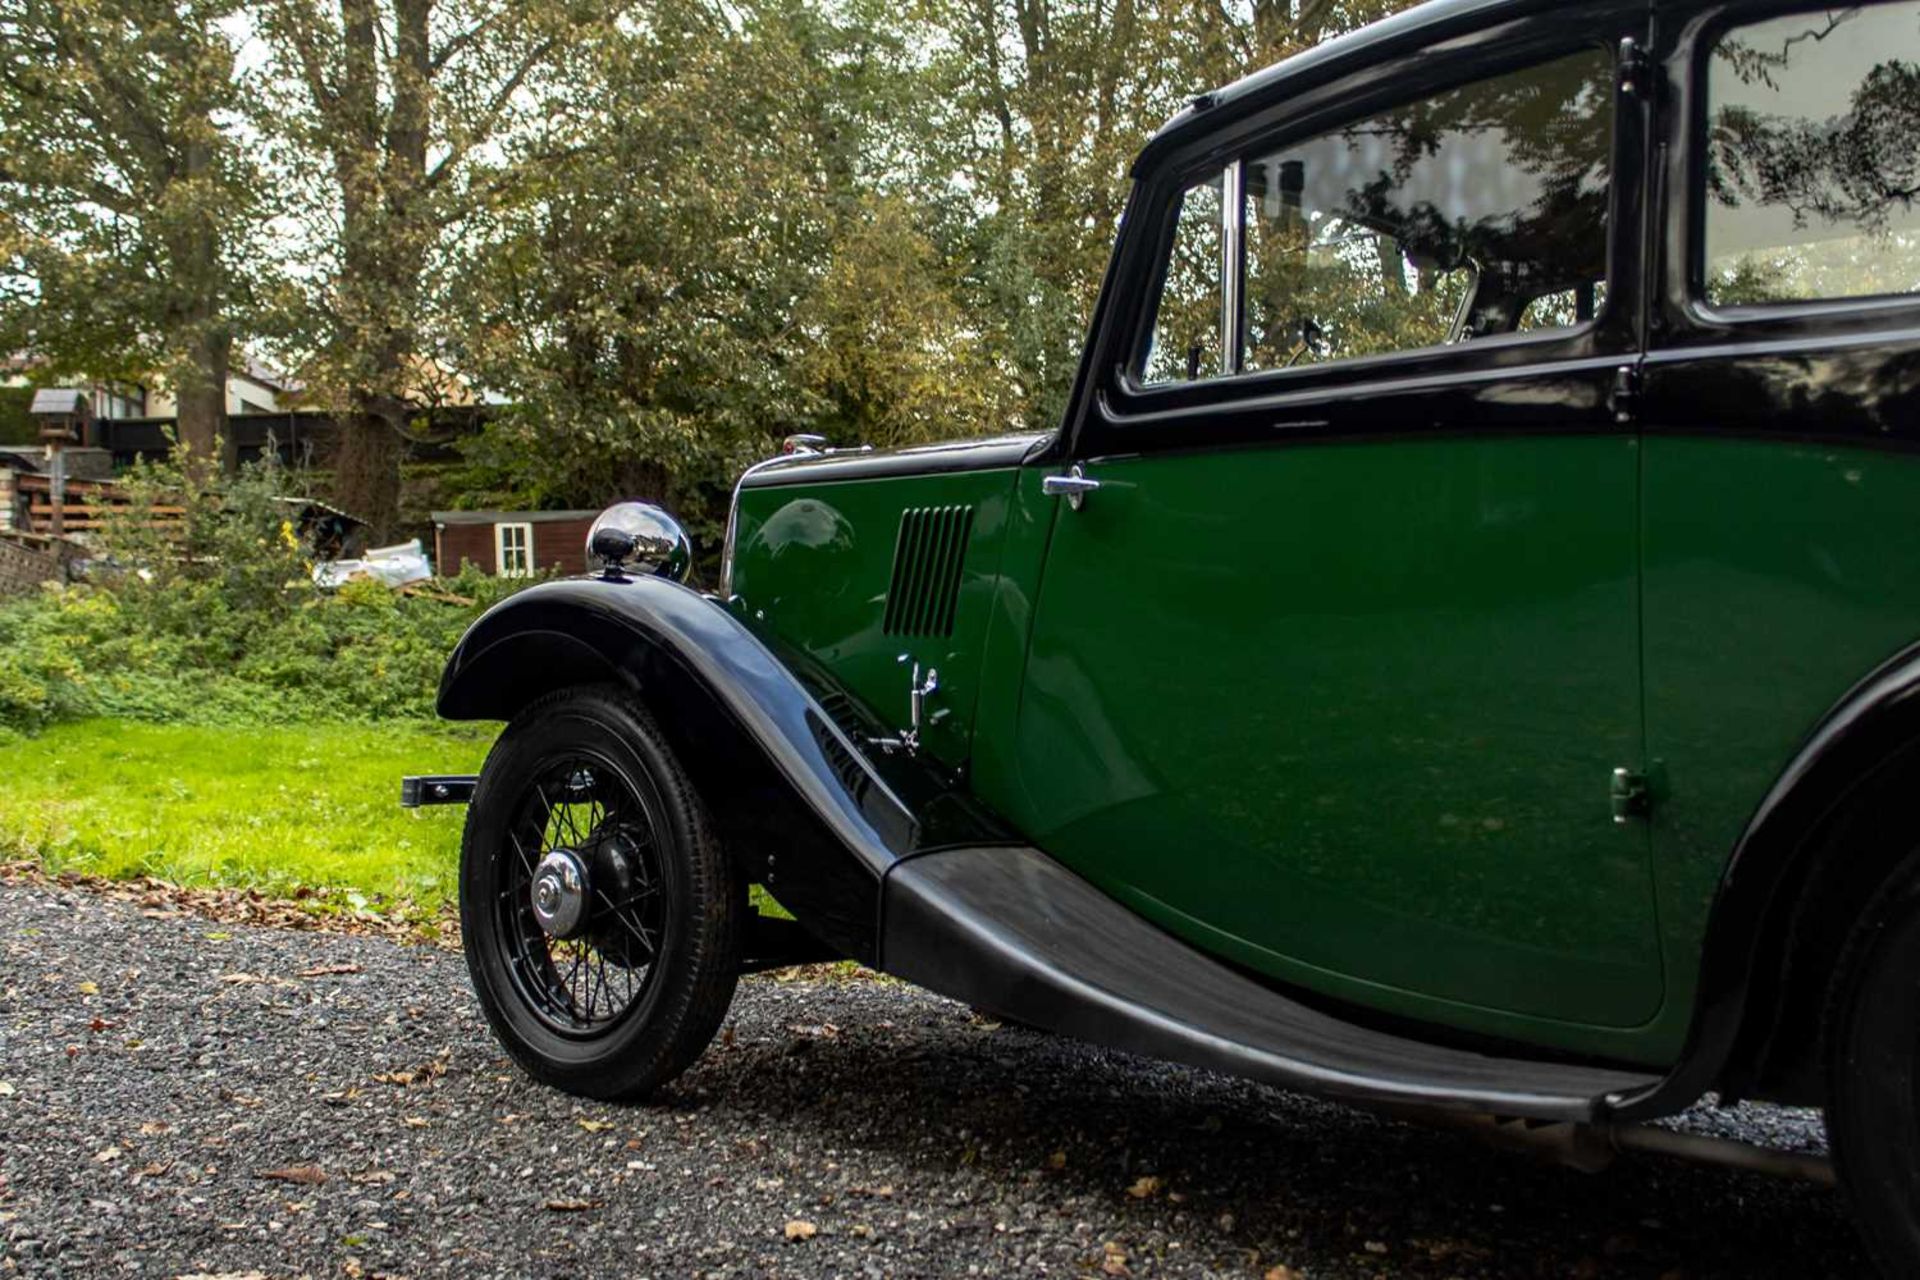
<point>1332,672</point>
<point>1781,406</point>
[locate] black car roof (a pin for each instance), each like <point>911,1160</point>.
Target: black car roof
<point>1411,28</point>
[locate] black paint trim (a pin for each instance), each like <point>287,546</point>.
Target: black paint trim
<point>1411,32</point>
<point>783,774</point>
<point>1466,386</point>
<point>1010,930</point>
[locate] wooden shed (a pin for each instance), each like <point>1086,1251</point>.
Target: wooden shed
<point>511,544</point>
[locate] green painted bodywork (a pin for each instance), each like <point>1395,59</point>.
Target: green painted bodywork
<point>812,564</point>
<point>1777,575</point>
<point>1345,714</point>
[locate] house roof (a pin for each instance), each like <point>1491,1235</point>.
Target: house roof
<point>51,400</point>
<point>509,517</point>
<point>255,370</point>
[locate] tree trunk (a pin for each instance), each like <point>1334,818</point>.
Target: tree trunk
<point>366,467</point>
<point>201,395</point>
<point>386,227</point>
<point>203,343</point>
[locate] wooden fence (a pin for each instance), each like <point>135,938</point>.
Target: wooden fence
<point>84,507</point>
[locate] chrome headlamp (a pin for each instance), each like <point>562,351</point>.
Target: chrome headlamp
<point>638,537</point>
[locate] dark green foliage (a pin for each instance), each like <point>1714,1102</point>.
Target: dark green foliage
<point>224,624</point>
<point>16,424</point>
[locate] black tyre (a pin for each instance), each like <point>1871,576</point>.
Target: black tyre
<point>600,917</point>
<point>1873,1065</point>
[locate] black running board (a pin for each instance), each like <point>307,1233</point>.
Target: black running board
<point>1012,931</point>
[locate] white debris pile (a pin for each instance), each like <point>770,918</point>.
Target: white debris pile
<point>396,566</point>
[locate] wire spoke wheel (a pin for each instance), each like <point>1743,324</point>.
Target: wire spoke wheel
<point>580,905</point>
<point>600,916</point>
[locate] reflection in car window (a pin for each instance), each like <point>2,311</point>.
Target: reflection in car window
<point>1563,308</point>
<point>1813,157</point>
<point>1445,219</point>
<point>1186,341</point>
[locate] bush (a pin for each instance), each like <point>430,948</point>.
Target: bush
<point>219,622</point>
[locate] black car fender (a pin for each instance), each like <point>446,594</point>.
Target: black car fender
<point>792,794</point>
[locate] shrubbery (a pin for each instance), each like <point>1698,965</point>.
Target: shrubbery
<point>216,620</point>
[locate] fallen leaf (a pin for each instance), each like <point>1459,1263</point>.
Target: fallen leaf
<point>879,1193</point>
<point>1144,1187</point>
<point>595,1126</point>
<point>415,1122</point>
<point>307,1175</point>
<point>862,1230</point>
<point>89,988</point>
<point>218,937</point>
<point>1114,1260</point>
<point>377,1176</point>
<point>6,1089</point>
<point>394,1077</point>
<point>106,1154</point>
<point>1282,1273</point>
<point>801,1229</point>
<point>225,1275</point>
<point>328,970</point>
<point>572,1206</point>
<point>101,1024</point>
<point>154,1169</point>
<point>824,1031</point>
<point>1058,1160</point>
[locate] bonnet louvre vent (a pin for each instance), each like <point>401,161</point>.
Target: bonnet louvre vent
<point>926,571</point>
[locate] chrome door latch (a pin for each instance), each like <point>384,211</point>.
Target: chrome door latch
<point>1074,486</point>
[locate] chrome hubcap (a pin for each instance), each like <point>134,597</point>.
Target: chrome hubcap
<point>560,893</point>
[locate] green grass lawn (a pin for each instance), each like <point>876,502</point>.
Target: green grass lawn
<point>273,809</point>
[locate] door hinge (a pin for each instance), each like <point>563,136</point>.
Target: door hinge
<point>1624,399</point>
<point>1635,68</point>
<point>1631,794</point>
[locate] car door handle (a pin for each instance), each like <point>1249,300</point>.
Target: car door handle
<point>1074,486</point>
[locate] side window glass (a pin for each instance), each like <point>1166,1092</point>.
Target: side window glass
<point>1186,341</point>
<point>1476,212</point>
<point>1813,157</point>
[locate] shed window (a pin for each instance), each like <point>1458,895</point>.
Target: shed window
<point>513,550</point>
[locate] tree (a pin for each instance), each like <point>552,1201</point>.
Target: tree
<point>1043,105</point>
<point>125,201</point>
<point>389,116</point>
<point>683,284</point>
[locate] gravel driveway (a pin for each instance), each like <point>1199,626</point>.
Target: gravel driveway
<point>179,1096</point>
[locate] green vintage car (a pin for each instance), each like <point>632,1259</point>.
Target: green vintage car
<point>1457,653</point>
